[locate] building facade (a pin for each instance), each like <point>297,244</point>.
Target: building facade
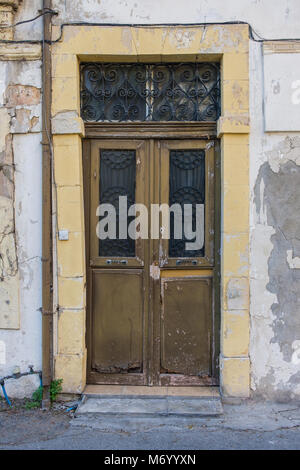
<point>162,102</point>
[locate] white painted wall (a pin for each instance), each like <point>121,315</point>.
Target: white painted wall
<point>270,18</point>
<point>24,346</point>
<point>272,372</point>
<point>282,91</point>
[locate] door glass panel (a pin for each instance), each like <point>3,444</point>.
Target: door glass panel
<point>187,187</point>
<point>117,178</point>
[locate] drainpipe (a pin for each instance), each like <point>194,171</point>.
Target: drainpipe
<point>47,262</point>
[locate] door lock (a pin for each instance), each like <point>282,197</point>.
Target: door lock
<point>116,261</point>
<point>194,262</point>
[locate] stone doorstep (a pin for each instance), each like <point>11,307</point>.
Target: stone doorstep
<point>162,401</point>
<point>126,390</point>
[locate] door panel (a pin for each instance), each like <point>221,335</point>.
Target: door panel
<point>150,300</point>
<point>117,307</point>
<point>186,326</point>
<point>117,321</point>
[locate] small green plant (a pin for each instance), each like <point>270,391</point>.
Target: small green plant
<point>36,399</point>
<point>37,396</point>
<point>55,389</point>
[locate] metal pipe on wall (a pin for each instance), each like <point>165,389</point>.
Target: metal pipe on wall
<point>47,270</point>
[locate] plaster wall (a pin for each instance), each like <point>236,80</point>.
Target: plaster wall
<point>274,169</point>
<point>274,180</point>
<point>20,206</point>
<point>274,224</point>
<point>270,19</point>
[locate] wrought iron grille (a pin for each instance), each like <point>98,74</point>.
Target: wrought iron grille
<point>117,178</point>
<point>150,92</point>
<point>187,186</point>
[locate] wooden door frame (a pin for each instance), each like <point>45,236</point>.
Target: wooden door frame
<point>152,131</point>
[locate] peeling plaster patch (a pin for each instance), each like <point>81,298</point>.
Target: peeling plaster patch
<point>294,263</point>
<point>4,129</point>
<point>182,38</point>
<point>282,199</point>
<point>9,308</point>
<point>155,272</point>
<point>20,95</point>
<point>8,254</point>
<point>276,324</point>
<point>287,150</point>
<point>7,169</point>
<point>231,38</point>
<point>67,122</point>
<point>9,281</point>
<point>24,121</point>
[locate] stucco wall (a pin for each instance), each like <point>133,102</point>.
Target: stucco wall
<point>275,225</point>
<point>274,179</point>
<point>20,209</point>
<point>280,18</point>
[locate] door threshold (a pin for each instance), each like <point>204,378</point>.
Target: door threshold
<point>126,400</point>
<point>141,391</point>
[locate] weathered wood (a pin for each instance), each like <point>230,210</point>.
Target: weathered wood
<point>158,313</point>
<point>149,130</point>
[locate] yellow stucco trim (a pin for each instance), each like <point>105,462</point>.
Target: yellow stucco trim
<point>227,43</point>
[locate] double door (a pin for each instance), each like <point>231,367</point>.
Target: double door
<point>150,230</point>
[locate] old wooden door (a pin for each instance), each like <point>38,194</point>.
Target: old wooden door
<point>150,299</point>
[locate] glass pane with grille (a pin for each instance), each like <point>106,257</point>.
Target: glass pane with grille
<point>187,187</point>
<point>150,92</point>
<point>117,178</point>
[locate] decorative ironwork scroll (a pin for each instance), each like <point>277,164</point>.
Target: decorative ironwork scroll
<point>187,186</point>
<point>117,178</point>
<point>150,92</point>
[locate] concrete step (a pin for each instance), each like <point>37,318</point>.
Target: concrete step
<point>140,401</point>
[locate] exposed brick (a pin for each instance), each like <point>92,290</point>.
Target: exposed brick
<point>20,95</point>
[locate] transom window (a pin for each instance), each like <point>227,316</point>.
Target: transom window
<point>150,92</point>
